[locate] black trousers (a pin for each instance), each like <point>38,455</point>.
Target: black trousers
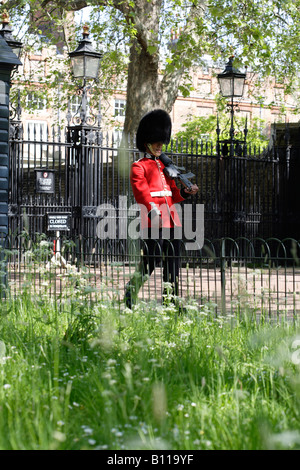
<point>157,251</point>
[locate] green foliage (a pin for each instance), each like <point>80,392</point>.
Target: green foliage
<point>264,36</point>
<point>79,374</point>
<point>100,377</point>
<point>203,128</point>
<point>53,74</point>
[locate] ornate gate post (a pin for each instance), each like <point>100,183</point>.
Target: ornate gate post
<point>8,60</point>
<point>85,69</point>
<point>82,183</point>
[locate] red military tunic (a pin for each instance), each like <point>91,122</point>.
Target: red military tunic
<point>154,191</point>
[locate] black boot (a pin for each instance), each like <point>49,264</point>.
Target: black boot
<point>132,288</point>
<point>128,298</point>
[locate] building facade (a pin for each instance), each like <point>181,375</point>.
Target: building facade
<point>273,105</point>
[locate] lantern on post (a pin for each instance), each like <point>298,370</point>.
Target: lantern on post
<point>232,83</point>
<point>6,33</point>
<point>85,66</point>
<point>85,63</point>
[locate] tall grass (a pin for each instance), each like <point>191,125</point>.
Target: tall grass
<point>75,375</point>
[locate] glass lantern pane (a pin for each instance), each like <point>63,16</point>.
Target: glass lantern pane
<point>238,86</point>
<point>226,86</point>
<point>17,50</point>
<point>92,65</point>
<point>78,66</point>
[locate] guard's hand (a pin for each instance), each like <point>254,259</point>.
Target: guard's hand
<point>156,221</point>
<point>193,190</point>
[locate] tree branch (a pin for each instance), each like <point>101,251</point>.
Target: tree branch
<point>75,5</point>
<point>171,79</point>
<point>71,5</point>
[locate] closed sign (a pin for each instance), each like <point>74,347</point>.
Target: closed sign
<point>59,222</point>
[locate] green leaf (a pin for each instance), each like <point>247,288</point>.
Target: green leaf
<point>152,49</point>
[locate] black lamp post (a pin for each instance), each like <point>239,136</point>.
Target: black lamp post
<point>85,66</point>
<point>6,33</point>
<point>232,82</point>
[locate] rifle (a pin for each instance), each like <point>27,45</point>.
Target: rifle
<point>174,171</point>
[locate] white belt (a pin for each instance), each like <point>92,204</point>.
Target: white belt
<point>161,193</point>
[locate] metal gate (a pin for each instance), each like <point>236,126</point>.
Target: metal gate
<point>72,171</point>
<point>78,169</point>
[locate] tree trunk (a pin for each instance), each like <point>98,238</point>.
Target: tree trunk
<point>142,87</point>
<point>146,89</point>
<point>148,86</point>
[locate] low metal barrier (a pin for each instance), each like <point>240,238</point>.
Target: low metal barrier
<point>242,275</point>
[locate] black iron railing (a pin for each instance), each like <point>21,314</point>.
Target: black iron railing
<point>246,276</point>
<point>251,195</point>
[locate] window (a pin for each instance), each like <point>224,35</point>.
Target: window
<point>204,111</point>
<point>117,137</point>
<point>246,114</point>
<point>277,117</point>
<point>75,105</point>
<point>246,93</point>
<point>36,131</point>
<point>204,87</point>
<point>279,95</point>
<point>36,101</point>
<point>35,147</point>
<point>120,106</point>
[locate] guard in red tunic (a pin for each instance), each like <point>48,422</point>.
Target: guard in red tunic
<point>157,195</point>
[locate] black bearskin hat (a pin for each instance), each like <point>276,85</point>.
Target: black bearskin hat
<point>155,126</point>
